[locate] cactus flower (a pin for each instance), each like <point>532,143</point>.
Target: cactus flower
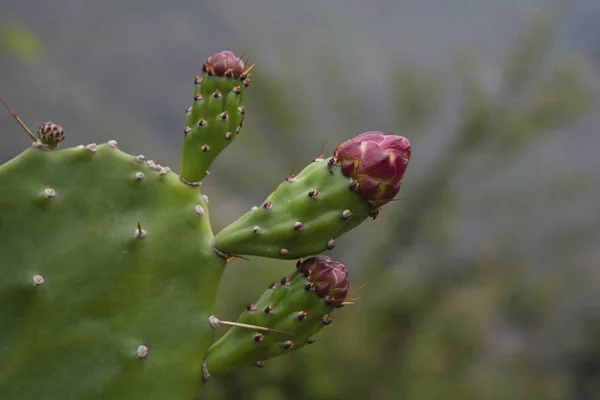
<point>377,162</point>
<point>328,277</point>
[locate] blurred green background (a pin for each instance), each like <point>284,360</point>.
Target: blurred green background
<point>482,281</point>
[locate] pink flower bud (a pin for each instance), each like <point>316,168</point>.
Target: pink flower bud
<point>222,62</point>
<point>328,277</point>
<point>377,162</point>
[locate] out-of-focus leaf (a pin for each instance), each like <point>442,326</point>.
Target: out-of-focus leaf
<point>20,41</point>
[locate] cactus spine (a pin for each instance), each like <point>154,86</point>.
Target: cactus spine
<point>110,268</point>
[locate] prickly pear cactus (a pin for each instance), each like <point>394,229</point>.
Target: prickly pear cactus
<point>109,267</point>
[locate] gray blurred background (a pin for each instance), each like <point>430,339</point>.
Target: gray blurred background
<point>481,281</point>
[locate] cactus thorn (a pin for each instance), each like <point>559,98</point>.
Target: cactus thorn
<point>272,285</point>
<point>302,315</point>
<point>284,252</point>
<point>216,94</point>
<point>113,143</point>
<point>142,351</point>
<point>215,323</point>
<point>38,280</point>
<point>311,339</point>
<point>139,176</point>
<point>259,337</point>
<point>251,307</point>
<point>242,110</point>
<point>298,226</point>
<point>313,193</point>
<point>140,158</point>
<point>21,123</point>
<point>330,244</point>
<point>237,90</point>
<point>49,193</point>
<point>205,148</point>
<point>260,364</point>
<point>288,344</point>
<point>91,147</point>
<point>188,110</point>
<point>228,136</point>
<point>198,80</point>
<point>321,157</point>
<point>309,286</point>
<point>327,319</point>
<point>198,209</point>
<point>268,310</point>
<point>257,229</point>
<point>291,177</point>
<point>202,123</point>
<point>346,214</point>
<point>198,97</point>
<point>223,115</point>
<point>286,281</point>
<point>139,232</point>
<point>268,205</point>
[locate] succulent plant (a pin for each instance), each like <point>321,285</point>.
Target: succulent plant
<point>110,268</point>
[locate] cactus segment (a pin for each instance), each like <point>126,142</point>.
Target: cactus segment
<point>107,277</point>
<point>216,115</point>
<point>300,304</point>
<point>302,217</point>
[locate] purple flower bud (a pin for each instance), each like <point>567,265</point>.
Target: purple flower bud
<point>377,162</point>
<point>328,277</point>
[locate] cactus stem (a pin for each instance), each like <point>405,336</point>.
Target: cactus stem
<point>38,280</point>
<point>49,193</point>
<point>142,351</point>
<point>215,323</point>
<point>21,123</point>
<point>139,233</point>
<point>139,176</point>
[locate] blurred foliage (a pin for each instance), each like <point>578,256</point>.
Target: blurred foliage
<point>18,40</point>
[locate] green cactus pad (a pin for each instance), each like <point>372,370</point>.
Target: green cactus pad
<point>302,217</point>
<point>213,120</point>
<point>93,305</point>
<point>289,306</point>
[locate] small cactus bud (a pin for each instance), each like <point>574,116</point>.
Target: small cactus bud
<point>224,63</point>
<point>376,162</point>
<point>51,134</point>
<point>329,278</point>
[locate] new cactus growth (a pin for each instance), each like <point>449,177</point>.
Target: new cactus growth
<point>109,267</point>
<point>300,304</point>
